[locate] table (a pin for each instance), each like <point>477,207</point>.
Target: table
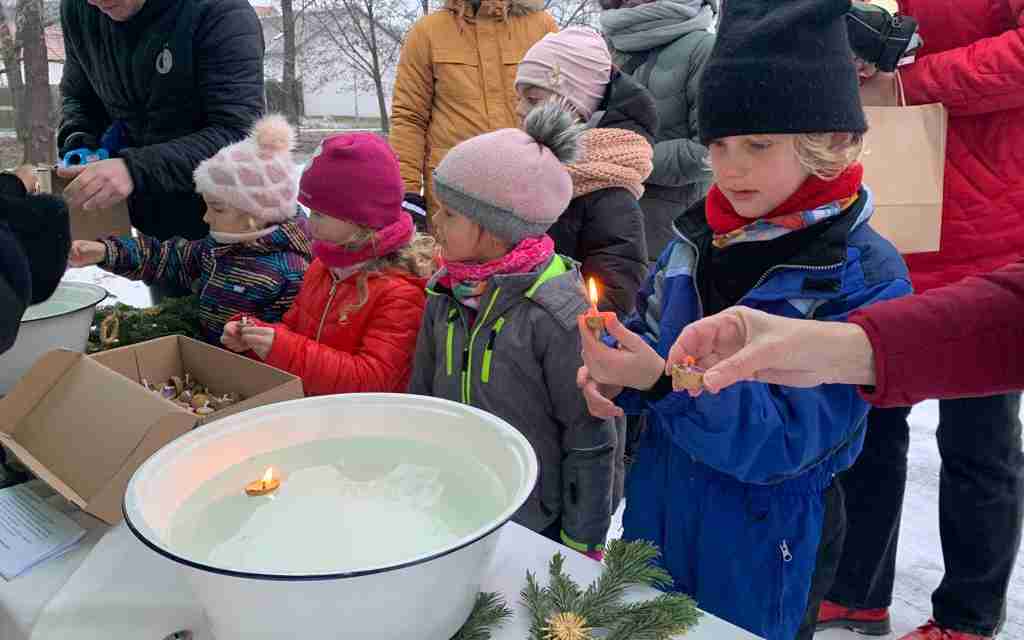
<point>124,590</point>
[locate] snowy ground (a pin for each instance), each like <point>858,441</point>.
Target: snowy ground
<point>919,562</point>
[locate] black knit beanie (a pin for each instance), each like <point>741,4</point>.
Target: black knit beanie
<point>780,66</point>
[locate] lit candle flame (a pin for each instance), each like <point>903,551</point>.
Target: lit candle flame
<point>268,477</point>
<point>593,293</point>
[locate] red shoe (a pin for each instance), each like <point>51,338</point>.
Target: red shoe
<point>870,622</point>
<point>932,631</point>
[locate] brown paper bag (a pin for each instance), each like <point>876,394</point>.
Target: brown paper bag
<point>904,166</point>
<point>86,225</point>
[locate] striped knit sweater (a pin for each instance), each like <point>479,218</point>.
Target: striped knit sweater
<point>259,278</point>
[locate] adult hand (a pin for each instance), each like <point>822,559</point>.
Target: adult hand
<point>86,252</point>
<point>598,396</point>
<point>97,185</point>
<point>27,174</point>
<point>232,337</point>
<point>634,364</point>
<point>743,344</point>
<point>259,339</point>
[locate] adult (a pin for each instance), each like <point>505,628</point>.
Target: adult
<point>34,242</point>
<point>172,81</point>
<point>972,61</point>
<point>664,44</point>
<point>455,81</point>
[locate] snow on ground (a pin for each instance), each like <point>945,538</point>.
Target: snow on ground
<point>919,564</point>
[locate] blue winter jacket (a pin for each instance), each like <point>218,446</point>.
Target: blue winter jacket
<point>762,433</point>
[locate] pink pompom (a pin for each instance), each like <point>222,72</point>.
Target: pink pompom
<point>273,133</point>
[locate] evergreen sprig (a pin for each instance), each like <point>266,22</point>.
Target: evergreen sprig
<point>489,612</point>
<point>601,606</point>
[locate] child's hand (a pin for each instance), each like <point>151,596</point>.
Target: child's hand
<point>259,339</point>
<point>27,174</point>
<point>86,252</point>
<point>232,337</point>
<point>634,364</point>
<point>598,396</point>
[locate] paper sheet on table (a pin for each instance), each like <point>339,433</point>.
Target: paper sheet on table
<point>31,531</point>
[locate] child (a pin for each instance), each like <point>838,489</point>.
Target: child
<point>738,488</point>
<point>353,326</point>
<point>253,260</point>
<point>603,227</point>
<point>499,331</point>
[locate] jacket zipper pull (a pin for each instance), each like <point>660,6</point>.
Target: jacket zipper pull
<point>786,555</point>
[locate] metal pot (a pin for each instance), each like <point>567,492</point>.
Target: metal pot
<point>62,322</point>
<point>428,596</point>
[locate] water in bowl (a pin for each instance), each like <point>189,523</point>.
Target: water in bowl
<point>344,505</point>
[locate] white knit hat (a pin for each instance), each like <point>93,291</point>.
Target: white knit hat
<point>256,175</point>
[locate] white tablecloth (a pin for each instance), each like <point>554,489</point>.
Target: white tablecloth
<point>124,590</point>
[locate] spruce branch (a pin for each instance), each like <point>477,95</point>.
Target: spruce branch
<point>489,611</point>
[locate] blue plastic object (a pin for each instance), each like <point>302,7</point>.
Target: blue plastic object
<point>84,156</point>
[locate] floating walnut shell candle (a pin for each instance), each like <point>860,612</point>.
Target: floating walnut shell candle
<point>687,376</point>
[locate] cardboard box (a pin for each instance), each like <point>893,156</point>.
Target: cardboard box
<point>220,370</point>
<point>84,424</point>
<point>87,225</point>
<point>84,429</point>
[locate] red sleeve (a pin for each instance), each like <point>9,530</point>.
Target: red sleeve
<point>984,77</point>
<point>960,340</point>
<point>383,363</point>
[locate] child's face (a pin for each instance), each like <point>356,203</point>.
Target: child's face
<point>463,240</point>
<point>530,97</point>
<point>224,218</point>
<point>756,173</point>
<point>330,229</point>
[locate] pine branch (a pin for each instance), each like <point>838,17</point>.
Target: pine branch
<point>565,595</point>
<point>667,615</point>
<point>537,602</point>
<point>627,564</point>
<point>489,611</point>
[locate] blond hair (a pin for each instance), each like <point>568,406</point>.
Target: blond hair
<point>826,157</point>
<point>415,258</point>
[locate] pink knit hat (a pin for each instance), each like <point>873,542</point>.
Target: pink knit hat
<point>256,175</point>
<point>513,182</point>
<point>573,63</point>
<point>354,177</point>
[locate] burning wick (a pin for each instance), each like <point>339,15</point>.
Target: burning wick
<point>593,317</point>
<point>267,484</point>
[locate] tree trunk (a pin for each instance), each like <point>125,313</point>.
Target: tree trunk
<point>38,105</point>
<point>288,84</point>
<point>426,6</point>
<point>11,52</point>
<point>378,80</point>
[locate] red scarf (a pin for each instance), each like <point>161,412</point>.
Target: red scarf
<point>813,193</point>
<point>386,241</point>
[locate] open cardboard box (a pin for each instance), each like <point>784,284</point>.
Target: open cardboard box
<point>86,225</point>
<point>220,370</point>
<point>84,424</point>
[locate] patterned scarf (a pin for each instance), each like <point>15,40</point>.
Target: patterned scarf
<point>611,158</point>
<point>386,241</point>
<point>467,280</point>
<point>814,201</point>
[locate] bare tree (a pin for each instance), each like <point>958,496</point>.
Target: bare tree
<point>288,83</point>
<point>362,33</point>
<point>39,147</point>
<point>569,13</point>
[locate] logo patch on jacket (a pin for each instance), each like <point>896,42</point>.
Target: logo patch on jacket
<point>164,62</point>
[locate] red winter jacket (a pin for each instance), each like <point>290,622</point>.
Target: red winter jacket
<point>973,63</point>
<point>963,340</point>
<point>335,349</point>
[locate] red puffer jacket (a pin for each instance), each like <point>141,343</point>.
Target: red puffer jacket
<point>973,63</point>
<point>337,349</point>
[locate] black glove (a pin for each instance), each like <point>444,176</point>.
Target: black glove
<point>880,38</point>
<point>416,206</point>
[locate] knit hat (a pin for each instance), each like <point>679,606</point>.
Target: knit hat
<point>573,63</point>
<point>256,175</point>
<point>780,66</point>
<point>513,182</point>
<point>354,177</point>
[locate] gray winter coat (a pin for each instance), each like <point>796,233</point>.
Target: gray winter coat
<point>519,362</point>
<point>680,177</point>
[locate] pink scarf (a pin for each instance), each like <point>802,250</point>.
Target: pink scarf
<point>387,240</point>
<point>467,280</point>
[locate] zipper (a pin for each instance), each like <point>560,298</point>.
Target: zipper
<point>485,376</point>
<point>786,555</point>
<point>467,359</point>
<point>213,272</point>
<point>805,267</point>
<point>450,340</point>
<point>330,299</point>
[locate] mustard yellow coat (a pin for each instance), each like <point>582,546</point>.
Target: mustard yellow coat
<point>455,79</point>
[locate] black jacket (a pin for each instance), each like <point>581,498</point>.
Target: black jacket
<point>184,76</point>
<point>604,230</point>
